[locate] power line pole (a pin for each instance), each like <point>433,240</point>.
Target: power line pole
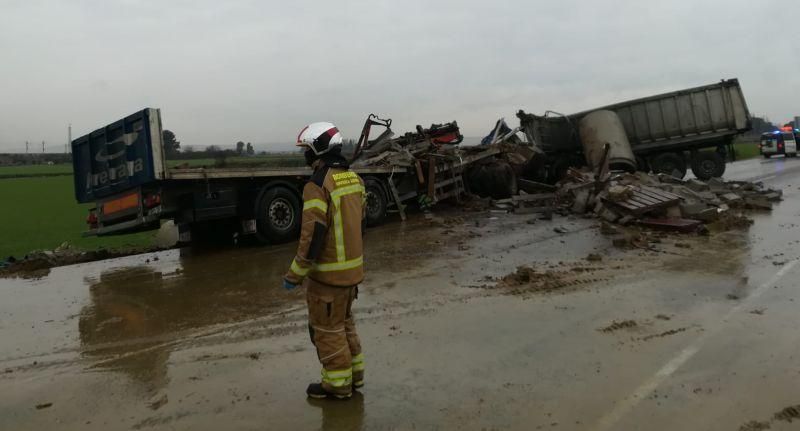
<point>69,138</point>
<point>42,146</point>
<point>26,147</point>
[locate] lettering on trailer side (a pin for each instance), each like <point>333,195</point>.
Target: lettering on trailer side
<point>116,173</point>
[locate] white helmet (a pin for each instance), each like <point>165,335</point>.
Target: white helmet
<point>320,137</point>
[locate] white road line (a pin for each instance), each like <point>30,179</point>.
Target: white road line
<point>610,419</point>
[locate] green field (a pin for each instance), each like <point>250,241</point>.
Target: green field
<point>746,150</point>
<point>41,213</point>
<point>33,170</point>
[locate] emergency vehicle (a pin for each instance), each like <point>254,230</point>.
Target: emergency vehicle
<point>779,142</point>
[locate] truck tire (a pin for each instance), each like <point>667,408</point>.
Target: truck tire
<point>496,180</point>
<point>707,165</point>
<point>377,201</point>
<point>766,156</point>
<point>278,215</point>
<point>667,163</point>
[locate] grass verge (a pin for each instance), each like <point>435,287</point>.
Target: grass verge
<point>41,213</point>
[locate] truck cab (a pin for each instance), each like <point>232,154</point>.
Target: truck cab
<point>778,142</point>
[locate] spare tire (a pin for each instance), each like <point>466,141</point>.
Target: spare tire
<point>708,164</point>
<point>669,163</point>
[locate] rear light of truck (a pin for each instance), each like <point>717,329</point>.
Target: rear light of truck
<point>152,200</point>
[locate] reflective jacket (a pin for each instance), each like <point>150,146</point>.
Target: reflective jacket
<point>330,249</point>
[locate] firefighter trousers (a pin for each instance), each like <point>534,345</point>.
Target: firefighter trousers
<point>333,332</point>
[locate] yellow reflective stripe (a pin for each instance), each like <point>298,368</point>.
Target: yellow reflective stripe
<point>339,266</point>
<point>338,228</point>
<point>315,203</point>
<point>299,270</point>
<point>358,362</point>
<point>338,378</point>
<point>338,233</point>
<point>337,194</point>
<point>337,374</point>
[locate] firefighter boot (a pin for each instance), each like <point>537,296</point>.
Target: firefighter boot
<point>316,390</point>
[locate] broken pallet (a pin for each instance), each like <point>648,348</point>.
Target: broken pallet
<point>646,199</point>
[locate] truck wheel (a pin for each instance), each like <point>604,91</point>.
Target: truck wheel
<point>377,201</point>
<point>278,215</point>
<point>766,156</point>
<point>668,163</point>
<point>707,165</point>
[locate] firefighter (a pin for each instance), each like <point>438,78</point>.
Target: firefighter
<point>329,261</point>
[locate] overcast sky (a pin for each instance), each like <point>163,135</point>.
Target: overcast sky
<point>223,71</point>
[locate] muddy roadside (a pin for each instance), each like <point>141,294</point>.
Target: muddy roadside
<point>200,340</point>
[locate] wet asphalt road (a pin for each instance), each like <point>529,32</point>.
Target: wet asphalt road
<point>201,340</point>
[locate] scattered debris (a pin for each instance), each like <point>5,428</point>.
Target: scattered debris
<point>615,326</point>
<point>157,403</point>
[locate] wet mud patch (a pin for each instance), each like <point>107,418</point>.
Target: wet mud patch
<point>544,279</point>
<point>723,254</point>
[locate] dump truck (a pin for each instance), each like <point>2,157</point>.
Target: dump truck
<point>668,132</point>
<point>122,169</point>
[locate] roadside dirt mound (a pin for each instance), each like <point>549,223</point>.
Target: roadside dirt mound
<point>37,264</point>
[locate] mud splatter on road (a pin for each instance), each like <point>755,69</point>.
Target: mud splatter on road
<point>623,324</point>
<point>664,334</point>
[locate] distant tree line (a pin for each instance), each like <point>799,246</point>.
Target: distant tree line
<point>173,150</point>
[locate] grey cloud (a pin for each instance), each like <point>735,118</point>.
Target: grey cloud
<point>259,70</point>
